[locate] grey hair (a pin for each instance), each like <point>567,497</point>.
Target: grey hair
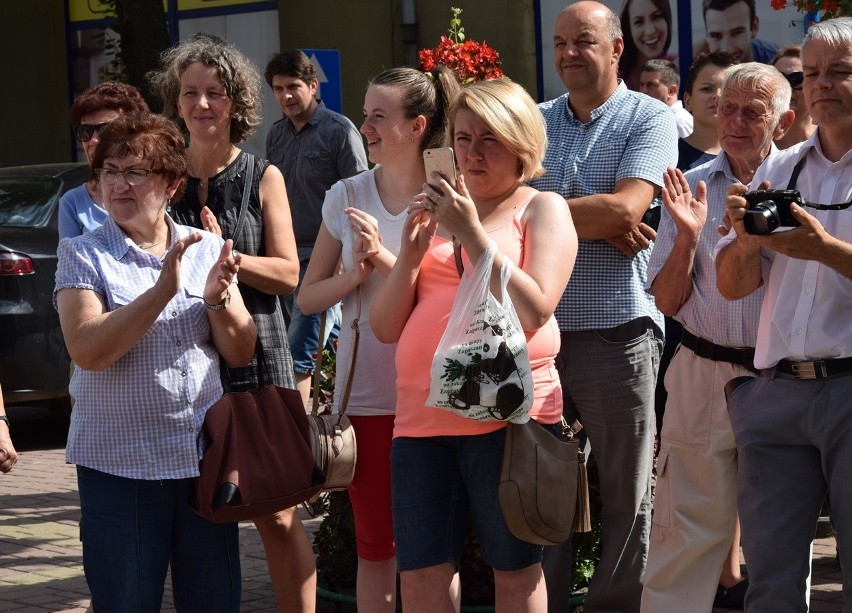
<point>835,32</point>
<point>614,23</point>
<point>238,74</point>
<point>753,76</point>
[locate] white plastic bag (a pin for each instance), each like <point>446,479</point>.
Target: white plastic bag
<point>481,368</point>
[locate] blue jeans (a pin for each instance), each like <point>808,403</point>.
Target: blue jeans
<point>436,482</point>
<point>133,529</point>
<point>303,330</point>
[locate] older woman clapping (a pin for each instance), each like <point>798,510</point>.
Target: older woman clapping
<point>147,307</point>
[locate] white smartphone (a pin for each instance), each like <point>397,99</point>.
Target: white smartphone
<point>440,160</point>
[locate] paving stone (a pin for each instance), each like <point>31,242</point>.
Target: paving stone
<point>41,555</point>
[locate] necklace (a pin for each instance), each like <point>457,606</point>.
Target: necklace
<point>145,247</point>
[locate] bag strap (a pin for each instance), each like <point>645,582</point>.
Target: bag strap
<point>347,387</point>
<point>457,256</point>
<point>241,221</point>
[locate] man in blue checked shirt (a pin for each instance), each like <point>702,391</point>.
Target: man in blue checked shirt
<point>695,508</point>
<point>608,148</point>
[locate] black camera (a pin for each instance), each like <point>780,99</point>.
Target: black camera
<point>770,209</point>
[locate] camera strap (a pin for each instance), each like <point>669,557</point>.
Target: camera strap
<point>813,205</point>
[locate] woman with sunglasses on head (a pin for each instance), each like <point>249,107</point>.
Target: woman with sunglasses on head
<point>148,308</point>
<point>212,91</point>
<point>788,61</point>
<point>81,209</point>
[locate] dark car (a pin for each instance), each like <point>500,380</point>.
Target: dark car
<point>34,363</point>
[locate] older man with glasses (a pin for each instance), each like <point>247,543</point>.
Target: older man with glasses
<point>789,62</point>
<point>695,509</point>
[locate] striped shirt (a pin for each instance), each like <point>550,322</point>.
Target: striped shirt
<point>141,416</point>
<point>629,136</point>
<point>706,313</point>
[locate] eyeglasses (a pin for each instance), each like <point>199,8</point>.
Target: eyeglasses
<point>134,176</point>
<point>84,132</point>
<point>795,79</point>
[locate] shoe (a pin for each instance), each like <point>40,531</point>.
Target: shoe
<point>731,598</point>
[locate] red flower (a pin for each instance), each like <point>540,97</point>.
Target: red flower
<point>469,60</point>
<point>826,8</point>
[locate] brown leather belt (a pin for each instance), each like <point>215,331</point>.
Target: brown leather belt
<point>718,353</point>
<point>818,369</point>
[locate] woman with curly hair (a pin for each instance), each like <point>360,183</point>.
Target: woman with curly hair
<point>212,91</point>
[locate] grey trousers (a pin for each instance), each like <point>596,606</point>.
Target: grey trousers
<point>794,440</point>
<point>608,379</point>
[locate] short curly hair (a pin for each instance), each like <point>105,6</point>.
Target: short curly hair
<point>238,75</point>
<point>152,137</point>
<point>107,96</point>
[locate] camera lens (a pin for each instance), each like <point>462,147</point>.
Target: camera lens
<point>762,218</point>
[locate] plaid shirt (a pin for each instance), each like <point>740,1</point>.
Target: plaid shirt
<point>732,323</point>
<point>140,417</point>
<point>629,135</point>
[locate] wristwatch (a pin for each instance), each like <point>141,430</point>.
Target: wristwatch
<point>6,419</point>
<point>222,305</point>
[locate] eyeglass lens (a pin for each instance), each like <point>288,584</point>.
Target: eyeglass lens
<point>795,79</point>
<point>84,132</point>
<point>135,176</point>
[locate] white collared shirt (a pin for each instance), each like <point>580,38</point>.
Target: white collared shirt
<point>806,305</point>
<point>683,119</point>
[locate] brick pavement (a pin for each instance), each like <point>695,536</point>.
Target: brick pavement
<point>41,558</point>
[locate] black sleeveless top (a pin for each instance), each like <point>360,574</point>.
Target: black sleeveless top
<point>224,196</point>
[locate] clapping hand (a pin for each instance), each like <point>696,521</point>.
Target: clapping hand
<point>688,212</point>
<point>209,221</point>
<point>366,241</point>
<point>222,274</point>
<point>170,274</point>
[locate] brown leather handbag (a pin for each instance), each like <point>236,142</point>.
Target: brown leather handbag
<point>543,491</point>
<point>259,460</point>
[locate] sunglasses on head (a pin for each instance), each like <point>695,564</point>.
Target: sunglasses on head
<point>84,132</point>
<point>795,79</point>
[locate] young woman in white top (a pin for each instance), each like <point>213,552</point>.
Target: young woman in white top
<point>404,114</point>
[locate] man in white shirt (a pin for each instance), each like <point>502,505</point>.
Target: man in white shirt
<point>793,423</point>
<point>660,79</point>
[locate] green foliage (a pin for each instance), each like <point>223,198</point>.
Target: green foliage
<point>587,545</point>
<point>334,543</point>
<point>456,29</point>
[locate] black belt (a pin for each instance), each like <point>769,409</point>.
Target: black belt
<point>718,353</point>
<point>818,369</point>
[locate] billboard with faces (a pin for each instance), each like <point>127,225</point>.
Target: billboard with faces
<point>675,30</point>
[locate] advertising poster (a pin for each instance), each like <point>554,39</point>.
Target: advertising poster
<point>677,30</point>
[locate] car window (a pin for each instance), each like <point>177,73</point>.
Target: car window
<point>27,202</point>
